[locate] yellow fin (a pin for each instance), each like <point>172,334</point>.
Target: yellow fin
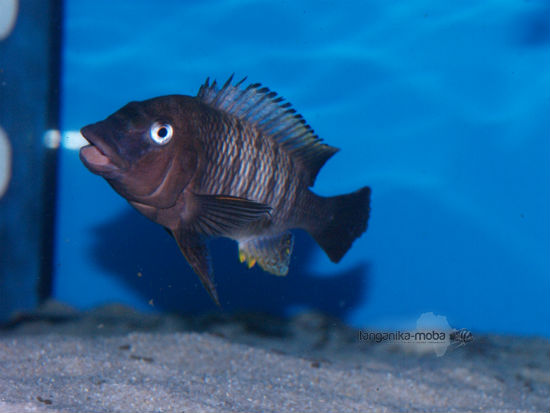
<point>271,253</point>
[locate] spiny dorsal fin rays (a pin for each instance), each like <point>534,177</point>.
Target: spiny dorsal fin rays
<point>223,91</point>
<point>272,116</point>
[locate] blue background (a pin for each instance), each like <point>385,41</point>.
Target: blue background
<point>441,107</point>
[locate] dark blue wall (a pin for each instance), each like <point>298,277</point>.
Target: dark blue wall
<point>29,89</point>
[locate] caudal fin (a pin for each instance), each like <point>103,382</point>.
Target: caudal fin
<point>337,221</point>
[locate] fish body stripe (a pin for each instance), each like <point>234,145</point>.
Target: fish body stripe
<point>240,162</point>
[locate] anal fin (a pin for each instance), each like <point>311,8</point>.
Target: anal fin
<point>271,253</point>
<point>196,253</point>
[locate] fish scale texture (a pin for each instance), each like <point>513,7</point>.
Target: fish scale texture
<point>247,165</point>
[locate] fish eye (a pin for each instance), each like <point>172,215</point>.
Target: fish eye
<point>161,133</point>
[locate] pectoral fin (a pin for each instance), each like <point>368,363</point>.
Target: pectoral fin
<point>271,253</point>
<point>220,215</point>
<point>196,252</point>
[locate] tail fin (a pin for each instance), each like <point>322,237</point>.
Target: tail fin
<point>337,221</point>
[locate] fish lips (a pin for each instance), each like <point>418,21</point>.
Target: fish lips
<point>99,156</point>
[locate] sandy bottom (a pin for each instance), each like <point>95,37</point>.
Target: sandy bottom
<point>113,359</point>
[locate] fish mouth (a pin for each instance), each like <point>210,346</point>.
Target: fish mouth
<point>97,156</point>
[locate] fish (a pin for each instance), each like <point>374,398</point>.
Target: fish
<point>461,337</point>
<point>233,161</point>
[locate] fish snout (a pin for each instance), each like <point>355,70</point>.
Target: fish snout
<point>99,156</point>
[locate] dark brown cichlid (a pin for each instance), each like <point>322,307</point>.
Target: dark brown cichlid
<point>232,162</point>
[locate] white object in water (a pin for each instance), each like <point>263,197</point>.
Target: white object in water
<point>5,162</point>
<point>8,16</point>
<point>52,139</point>
<point>73,139</point>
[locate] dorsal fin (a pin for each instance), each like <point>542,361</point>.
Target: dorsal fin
<point>272,116</point>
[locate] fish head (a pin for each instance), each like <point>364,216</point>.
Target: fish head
<point>144,150</point>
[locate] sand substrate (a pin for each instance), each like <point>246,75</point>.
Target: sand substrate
<point>115,360</point>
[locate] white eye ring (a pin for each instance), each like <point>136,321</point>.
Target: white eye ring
<point>161,133</point>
